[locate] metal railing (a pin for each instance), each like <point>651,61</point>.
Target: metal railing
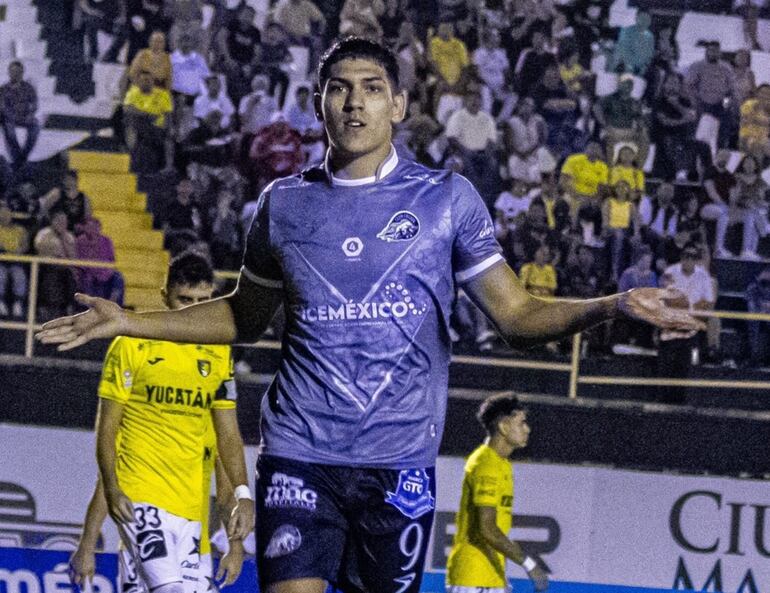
<point>30,326</point>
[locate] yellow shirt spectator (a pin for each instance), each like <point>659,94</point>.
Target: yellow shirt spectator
<point>633,176</point>
<point>586,175</point>
<point>619,213</point>
<point>755,124</point>
<point>538,280</point>
<point>450,57</point>
<point>156,102</point>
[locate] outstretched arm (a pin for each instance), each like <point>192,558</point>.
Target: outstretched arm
<point>240,316</point>
<point>524,320</point>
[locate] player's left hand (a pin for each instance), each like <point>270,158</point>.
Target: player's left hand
<point>651,305</point>
<point>230,564</point>
<point>539,578</point>
<point>82,567</point>
<point>241,519</point>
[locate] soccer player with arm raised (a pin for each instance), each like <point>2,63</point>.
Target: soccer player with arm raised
<point>365,252</point>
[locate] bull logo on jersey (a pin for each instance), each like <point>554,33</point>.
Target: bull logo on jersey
<point>412,496</point>
<point>204,367</point>
<point>403,226</point>
<point>285,540</point>
<point>151,545</point>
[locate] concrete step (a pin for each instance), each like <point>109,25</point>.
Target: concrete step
<point>133,203</point>
<point>99,162</point>
<point>139,278</point>
<point>154,260</point>
<point>143,299</point>
<point>114,185</point>
<point>127,221</point>
<point>135,239</point>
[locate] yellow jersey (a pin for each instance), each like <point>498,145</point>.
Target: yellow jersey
<point>586,175</point>
<point>168,391</point>
<point>631,175</point>
<point>488,482</point>
<point>158,102</point>
<point>539,280</point>
<point>619,214</point>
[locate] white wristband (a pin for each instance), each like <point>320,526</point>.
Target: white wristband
<point>243,491</point>
<point>529,565</point>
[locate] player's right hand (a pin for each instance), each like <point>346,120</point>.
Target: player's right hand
<point>82,567</point>
<point>539,578</point>
<point>103,319</point>
<point>120,507</point>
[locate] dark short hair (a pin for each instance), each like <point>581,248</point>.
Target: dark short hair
<point>693,250</point>
<point>358,48</point>
<point>496,407</point>
<point>189,268</point>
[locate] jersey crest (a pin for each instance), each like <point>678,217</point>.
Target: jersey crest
<point>402,226</point>
<point>412,496</point>
<point>204,367</point>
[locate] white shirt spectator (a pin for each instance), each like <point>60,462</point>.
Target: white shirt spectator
<point>303,120</point>
<point>492,64</point>
<point>473,132</point>
<point>511,206</point>
<point>697,287</point>
<point>256,110</point>
<point>188,72</point>
<point>204,105</point>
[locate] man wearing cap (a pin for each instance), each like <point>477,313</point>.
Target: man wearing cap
<point>620,115</point>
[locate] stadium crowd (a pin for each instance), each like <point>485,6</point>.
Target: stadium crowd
<point>503,91</point>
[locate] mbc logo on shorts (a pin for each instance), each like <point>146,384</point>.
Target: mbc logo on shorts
<point>151,545</point>
<point>288,491</point>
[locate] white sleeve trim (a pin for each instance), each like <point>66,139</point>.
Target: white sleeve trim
<point>266,282</point>
<point>467,274</point>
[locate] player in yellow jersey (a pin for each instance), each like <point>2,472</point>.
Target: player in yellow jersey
<point>158,401</point>
<point>477,560</point>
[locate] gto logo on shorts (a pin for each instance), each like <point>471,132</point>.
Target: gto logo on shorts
<point>412,496</point>
<point>151,545</point>
<point>285,540</point>
<point>402,226</point>
<point>288,491</point>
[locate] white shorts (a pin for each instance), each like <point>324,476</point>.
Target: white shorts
<point>463,589</point>
<point>160,548</point>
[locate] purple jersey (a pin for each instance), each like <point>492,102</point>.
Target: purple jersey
<point>368,269</point>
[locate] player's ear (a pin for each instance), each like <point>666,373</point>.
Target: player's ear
<point>317,105</point>
<point>399,107</point>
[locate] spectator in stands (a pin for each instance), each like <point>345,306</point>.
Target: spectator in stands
<point>533,63</point>
<point>410,52</point>
<point>225,239</point>
<point>539,276</point>
<point>214,99</point>
<point>472,134</point>
<point>635,48</point>
<point>639,275</point>
<point>301,117</point>
<point>92,245</point>
<point>621,117</point>
<point>620,223</point>
<point>146,111</point>
<point>144,17</point>
<point>743,90</point>
<point>257,109</point>
<point>526,135</point>
<point>155,60</point>
<point>590,20</point>
<point>749,198</point>
<point>275,58</point>
<point>674,118</point>
<point>627,168</point>
<point>494,69</point>
<point>560,111</point>
<point>25,205</point>
<point>754,135</point>
<point>511,207</point>
<point>18,105</point>
<point>675,351</point>
<point>711,82</point>
<point>57,283</point>
<point>418,132</point>
<point>658,219</point>
<point>581,277</point>
<point>182,216</point>
<point>70,200</point>
<point>394,15</point>
<point>187,19</point>
<point>276,151</point>
<point>304,24</point>
<point>586,176</point>
<point>758,301</point>
<point>13,240</point>
<point>689,228</point>
<point>238,51</point>
<point>718,184</point>
<point>188,70</point>
<point>447,56</point>
<point>361,18</point>
<point>472,324</point>
<point>99,15</point>
<point>208,152</point>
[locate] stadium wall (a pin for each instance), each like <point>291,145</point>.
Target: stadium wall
<point>587,525</point>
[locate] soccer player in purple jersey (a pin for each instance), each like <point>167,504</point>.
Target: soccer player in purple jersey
<point>366,253</point>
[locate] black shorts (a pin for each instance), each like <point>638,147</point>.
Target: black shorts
<point>358,529</point>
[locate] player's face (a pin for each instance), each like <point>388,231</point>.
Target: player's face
<point>183,295</point>
<point>515,429</point>
<point>359,108</point>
